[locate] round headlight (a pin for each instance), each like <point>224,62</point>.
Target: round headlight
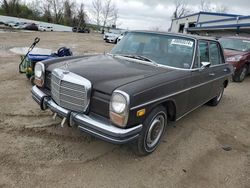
<point>38,70</point>
<point>118,103</point>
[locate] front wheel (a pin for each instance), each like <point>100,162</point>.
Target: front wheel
<point>241,74</point>
<point>153,129</point>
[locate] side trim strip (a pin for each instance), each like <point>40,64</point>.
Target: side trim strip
<point>191,111</point>
<point>176,93</point>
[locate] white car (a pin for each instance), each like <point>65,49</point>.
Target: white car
<point>112,35</point>
<point>45,28</point>
<point>11,23</point>
<point>21,25</point>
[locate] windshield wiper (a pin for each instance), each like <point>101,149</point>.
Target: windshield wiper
<point>140,57</point>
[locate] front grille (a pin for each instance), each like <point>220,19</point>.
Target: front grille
<point>70,91</point>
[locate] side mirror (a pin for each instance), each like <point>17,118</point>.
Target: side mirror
<point>205,65</point>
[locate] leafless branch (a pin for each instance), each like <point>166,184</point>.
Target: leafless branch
<point>97,11</point>
<point>181,9</point>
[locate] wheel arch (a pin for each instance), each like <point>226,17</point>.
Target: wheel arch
<point>225,83</point>
<point>170,106</point>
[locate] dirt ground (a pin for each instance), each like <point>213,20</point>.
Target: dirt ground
<point>36,152</point>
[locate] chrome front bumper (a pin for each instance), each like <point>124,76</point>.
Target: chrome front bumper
<point>92,124</point>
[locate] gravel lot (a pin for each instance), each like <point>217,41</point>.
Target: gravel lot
<point>36,152</point>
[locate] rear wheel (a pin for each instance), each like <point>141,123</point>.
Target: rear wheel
<point>216,100</point>
<point>153,129</point>
<point>241,74</point>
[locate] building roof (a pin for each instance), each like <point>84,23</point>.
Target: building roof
<point>209,13</point>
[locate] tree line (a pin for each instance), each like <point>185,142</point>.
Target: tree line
<point>104,13</point>
<point>65,12</point>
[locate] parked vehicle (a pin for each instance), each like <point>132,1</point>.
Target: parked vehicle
<point>45,28</point>
<point>130,95</point>
<point>81,30</point>
<point>112,35</point>
<point>121,36</point>
<point>237,52</point>
<point>11,23</point>
<point>31,26</point>
<point>20,25</point>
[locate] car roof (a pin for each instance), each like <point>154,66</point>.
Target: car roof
<point>196,37</point>
<point>237,37</point>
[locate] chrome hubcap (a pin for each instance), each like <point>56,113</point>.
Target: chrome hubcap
<point>220,94</point>
<point>155,131</point>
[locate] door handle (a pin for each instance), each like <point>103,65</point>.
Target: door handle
<point>212,74</point>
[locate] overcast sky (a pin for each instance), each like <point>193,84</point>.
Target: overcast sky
<point>149,14</point>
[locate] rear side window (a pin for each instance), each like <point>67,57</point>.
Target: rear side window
<point>204,51</point>
<point>215,57</point>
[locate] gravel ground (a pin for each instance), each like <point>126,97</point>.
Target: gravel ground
<point>36,152</point>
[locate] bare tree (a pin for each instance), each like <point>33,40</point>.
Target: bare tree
<point>11,7</point>
<point>115,17</point>
<point>181,9</point>
<point>37,8</point>
<point>57,9</point>
<point>97,10</point>
<point>81,16</point>
<point>207,6</point>
<point>68,12</point>
<point>109,11</point>
<point>47,16</point>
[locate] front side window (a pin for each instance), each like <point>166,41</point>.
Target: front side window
<point>169,50</point>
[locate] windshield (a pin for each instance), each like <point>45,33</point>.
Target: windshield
<point>235,44</point>
<point>162,49</point>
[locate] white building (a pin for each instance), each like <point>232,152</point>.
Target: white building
<point>214,24</point>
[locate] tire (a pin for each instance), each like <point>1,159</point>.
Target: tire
<point>153,126</point>
<point>216,100</point>
<point>241,74</point>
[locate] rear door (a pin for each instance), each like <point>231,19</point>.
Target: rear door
<point>218,68</point>
<point>201,88</point>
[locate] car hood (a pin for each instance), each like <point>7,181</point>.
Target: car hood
<point>107,73</point>
<point>230,53</point>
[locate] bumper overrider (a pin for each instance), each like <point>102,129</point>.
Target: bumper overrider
<point>92,124</point>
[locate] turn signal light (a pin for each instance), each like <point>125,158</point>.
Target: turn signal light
<point>141,112</point>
